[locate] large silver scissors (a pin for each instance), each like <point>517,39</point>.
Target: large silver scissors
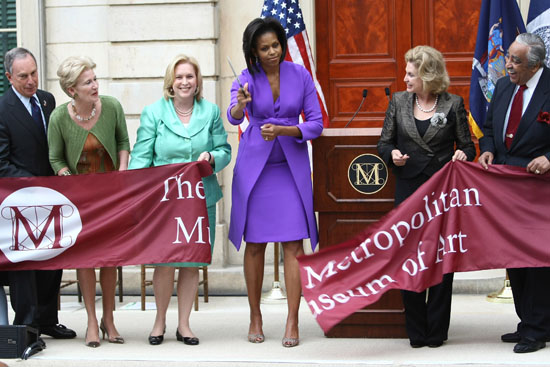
<point>234,73</point>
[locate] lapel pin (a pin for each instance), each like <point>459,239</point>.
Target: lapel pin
<point>44,103</point>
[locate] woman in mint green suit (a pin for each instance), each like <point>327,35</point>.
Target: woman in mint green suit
<point>181,127</point>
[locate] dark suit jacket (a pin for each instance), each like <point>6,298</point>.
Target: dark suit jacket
<point>23,147</point>
<point>24,152</point>
<point>532,138</point>
<point>430,152</point>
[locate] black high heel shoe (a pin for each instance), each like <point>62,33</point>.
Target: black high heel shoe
<point>114,339</point>
<point>157,339</point>
<point>186,339</point>
<point>91,344</point>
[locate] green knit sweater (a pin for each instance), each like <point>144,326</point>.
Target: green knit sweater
<point>66,139</point>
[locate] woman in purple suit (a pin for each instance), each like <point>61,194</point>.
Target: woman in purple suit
<point>272,199</point>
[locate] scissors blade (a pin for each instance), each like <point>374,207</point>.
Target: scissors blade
<point>234,73</point>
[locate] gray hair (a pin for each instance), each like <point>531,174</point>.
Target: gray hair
<point>537,50</point>
<point>15,53</point>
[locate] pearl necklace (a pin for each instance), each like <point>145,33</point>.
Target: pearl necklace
<point>423,110</point>
<point>184,113</point>
<point>80,118</point>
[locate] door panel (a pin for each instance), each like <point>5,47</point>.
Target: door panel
<point>361,45</point>
<point>364,51</point>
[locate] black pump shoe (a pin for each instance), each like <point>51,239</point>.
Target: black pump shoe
<point>157,339</point>
<point>186,339</point>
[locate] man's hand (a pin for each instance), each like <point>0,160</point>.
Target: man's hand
<point>486,159</point>
<point>539,165</point>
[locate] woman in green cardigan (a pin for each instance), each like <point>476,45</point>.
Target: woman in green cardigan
<point>89,135</point>
<point>181,127</point>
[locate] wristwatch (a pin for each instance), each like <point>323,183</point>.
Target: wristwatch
<point>66,173</point>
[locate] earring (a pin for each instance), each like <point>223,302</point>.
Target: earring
<point>171,90</point>
<point>75,96</point>
<point>196,91</point>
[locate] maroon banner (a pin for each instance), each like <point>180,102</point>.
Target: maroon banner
<point>151,215</point>
<point>464,218</point>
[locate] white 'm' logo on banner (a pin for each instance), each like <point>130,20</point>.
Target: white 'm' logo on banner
<point>37,223</point>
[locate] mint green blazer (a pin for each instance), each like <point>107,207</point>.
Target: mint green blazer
<point>162,139</point>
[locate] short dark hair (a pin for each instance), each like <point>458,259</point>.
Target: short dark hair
<point>15,53</point>
<point>255,29</point>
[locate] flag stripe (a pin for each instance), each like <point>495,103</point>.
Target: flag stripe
<point>289,14</point>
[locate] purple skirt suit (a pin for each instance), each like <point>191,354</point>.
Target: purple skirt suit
<point>272,197</point>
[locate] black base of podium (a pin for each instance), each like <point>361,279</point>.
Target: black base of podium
<point>19,341</point>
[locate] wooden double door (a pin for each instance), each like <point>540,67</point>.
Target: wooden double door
<point>360,44</point>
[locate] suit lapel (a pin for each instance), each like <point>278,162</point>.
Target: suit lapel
<point>22,116</point>
<point>410,125</point>
<point>198,120</point>
<point>443,106</point>
<point>46,108</point>
<point>168,115</point>
<point>540,95</point>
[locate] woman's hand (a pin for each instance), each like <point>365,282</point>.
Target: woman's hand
<point>243,96</point>
<point>64,172</point>
<point>398,158</point>
<point>270,131</point>
<point>459,156</point>
<point>206,156</point>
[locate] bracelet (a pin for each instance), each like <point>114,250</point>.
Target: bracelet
<point>66,173</point>
<point>209,157</point>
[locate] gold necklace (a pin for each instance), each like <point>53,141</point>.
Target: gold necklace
<point>184,113</point>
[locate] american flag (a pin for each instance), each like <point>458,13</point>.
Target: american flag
<point>289,14</point>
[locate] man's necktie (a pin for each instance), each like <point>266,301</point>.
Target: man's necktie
<point>36,114</point>
<point>515,116</point>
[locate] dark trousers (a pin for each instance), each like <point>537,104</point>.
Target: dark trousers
<point>34,296</point>
<point>531,290</point>
<point>427,319</point>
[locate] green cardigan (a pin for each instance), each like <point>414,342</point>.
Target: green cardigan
<point>66,138</point>
<point>162,139</point>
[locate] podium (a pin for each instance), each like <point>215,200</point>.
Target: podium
<point>353,188</point>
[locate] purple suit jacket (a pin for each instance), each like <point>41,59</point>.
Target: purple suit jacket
<point>297,95</point>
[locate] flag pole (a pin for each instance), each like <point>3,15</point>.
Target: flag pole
<point>277,293</point>
<point>504,295</point>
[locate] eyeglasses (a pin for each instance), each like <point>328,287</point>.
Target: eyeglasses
<point>513,59</point>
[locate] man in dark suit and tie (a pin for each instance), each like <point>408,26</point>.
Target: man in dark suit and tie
<point>515,134</point>
<point>24,116</point>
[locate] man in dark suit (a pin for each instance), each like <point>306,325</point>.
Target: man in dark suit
<point>24,115</point>
<point>515,134</point>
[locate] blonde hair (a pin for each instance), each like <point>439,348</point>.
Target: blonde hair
<point>70,69</point>
<point>170,76</point>
<point>431,68</point>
